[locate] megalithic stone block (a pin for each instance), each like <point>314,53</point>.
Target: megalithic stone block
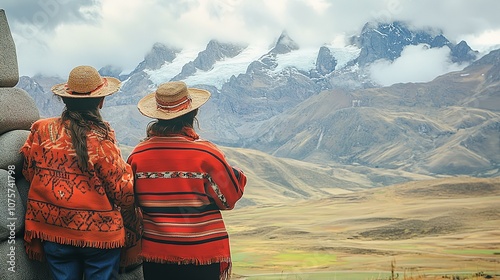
<point>9,71</point>
<point>10,143</point>
<point>23,187</point>
<point>17,110</point>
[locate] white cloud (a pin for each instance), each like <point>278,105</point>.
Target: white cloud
<point>416,64</point>
<point>55,35</point>
<point>484,41</point>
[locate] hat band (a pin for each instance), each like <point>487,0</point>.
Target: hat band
<point>104,83</point>
<point>175,106</point>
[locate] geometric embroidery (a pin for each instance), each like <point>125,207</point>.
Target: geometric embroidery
<point>184,175</point>
<point>82,220</point>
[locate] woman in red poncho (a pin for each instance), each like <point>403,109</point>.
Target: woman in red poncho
<point>181,184</point>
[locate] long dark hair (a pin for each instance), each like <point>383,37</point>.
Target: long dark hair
<point>165,127</point>
<point>83,115</point>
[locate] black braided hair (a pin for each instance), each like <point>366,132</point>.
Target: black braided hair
<point>83,115</point>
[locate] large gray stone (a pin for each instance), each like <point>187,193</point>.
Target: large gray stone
<point>24,268</point>
<point>11,207</point>
<point>17,110</point>
<point>9,72</point>
<point>10,143</point>
<point>23,187</point>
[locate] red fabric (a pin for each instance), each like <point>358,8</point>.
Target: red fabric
<point>68,206</point>
<point>181,184</point>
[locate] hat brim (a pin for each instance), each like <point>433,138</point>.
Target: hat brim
<point>147,105</point>
<point>112,86</point>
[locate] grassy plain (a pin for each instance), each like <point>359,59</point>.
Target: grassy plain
<point>419,230</point>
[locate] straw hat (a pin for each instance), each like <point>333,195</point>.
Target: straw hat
<point>85,82</point>
<point>171,100</point>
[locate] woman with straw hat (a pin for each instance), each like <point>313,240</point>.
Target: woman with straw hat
<point>181,184</point>
<point>80,209</point>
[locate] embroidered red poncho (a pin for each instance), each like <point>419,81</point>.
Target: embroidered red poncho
<point>68,206</point>
<point>181,184</point>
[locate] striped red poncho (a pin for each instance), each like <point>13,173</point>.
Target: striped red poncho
<point>181,184</point>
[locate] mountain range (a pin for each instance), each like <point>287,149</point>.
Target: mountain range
<point>320,105</point>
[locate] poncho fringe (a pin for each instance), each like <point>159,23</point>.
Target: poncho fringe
<point>34,247</point>
<point>168,259</point>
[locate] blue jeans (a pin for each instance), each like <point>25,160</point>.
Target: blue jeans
<point>68,262</point>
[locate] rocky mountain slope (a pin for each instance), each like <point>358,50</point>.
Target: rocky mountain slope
<point>448,126</point>
<point>387,41</point>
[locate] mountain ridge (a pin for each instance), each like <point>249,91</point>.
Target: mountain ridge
<point>386,41</point>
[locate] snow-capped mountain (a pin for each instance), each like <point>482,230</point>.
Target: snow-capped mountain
<point>255,87</point>
<point>387,41</point>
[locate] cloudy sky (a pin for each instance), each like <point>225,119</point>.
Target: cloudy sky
<point>53,36</point>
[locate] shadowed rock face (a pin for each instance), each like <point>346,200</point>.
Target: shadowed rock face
<point>285,44</point>
<point>9,73</point>
<point>17,112</point>
<point>325,62</point>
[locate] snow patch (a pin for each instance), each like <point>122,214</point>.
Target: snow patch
<point>169,70</point>
<point>223,70</point>
<point>319,140</point>
<point>305,59</point>
<point>217,76</point>
<point>379,32</point>
<point>302,59</point>
<point>344,54</point>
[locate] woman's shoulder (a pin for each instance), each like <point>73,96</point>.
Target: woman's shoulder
<point>46,121</point>
<point>157,142</point>
<point>46,124</point>
<point>206,143</point>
